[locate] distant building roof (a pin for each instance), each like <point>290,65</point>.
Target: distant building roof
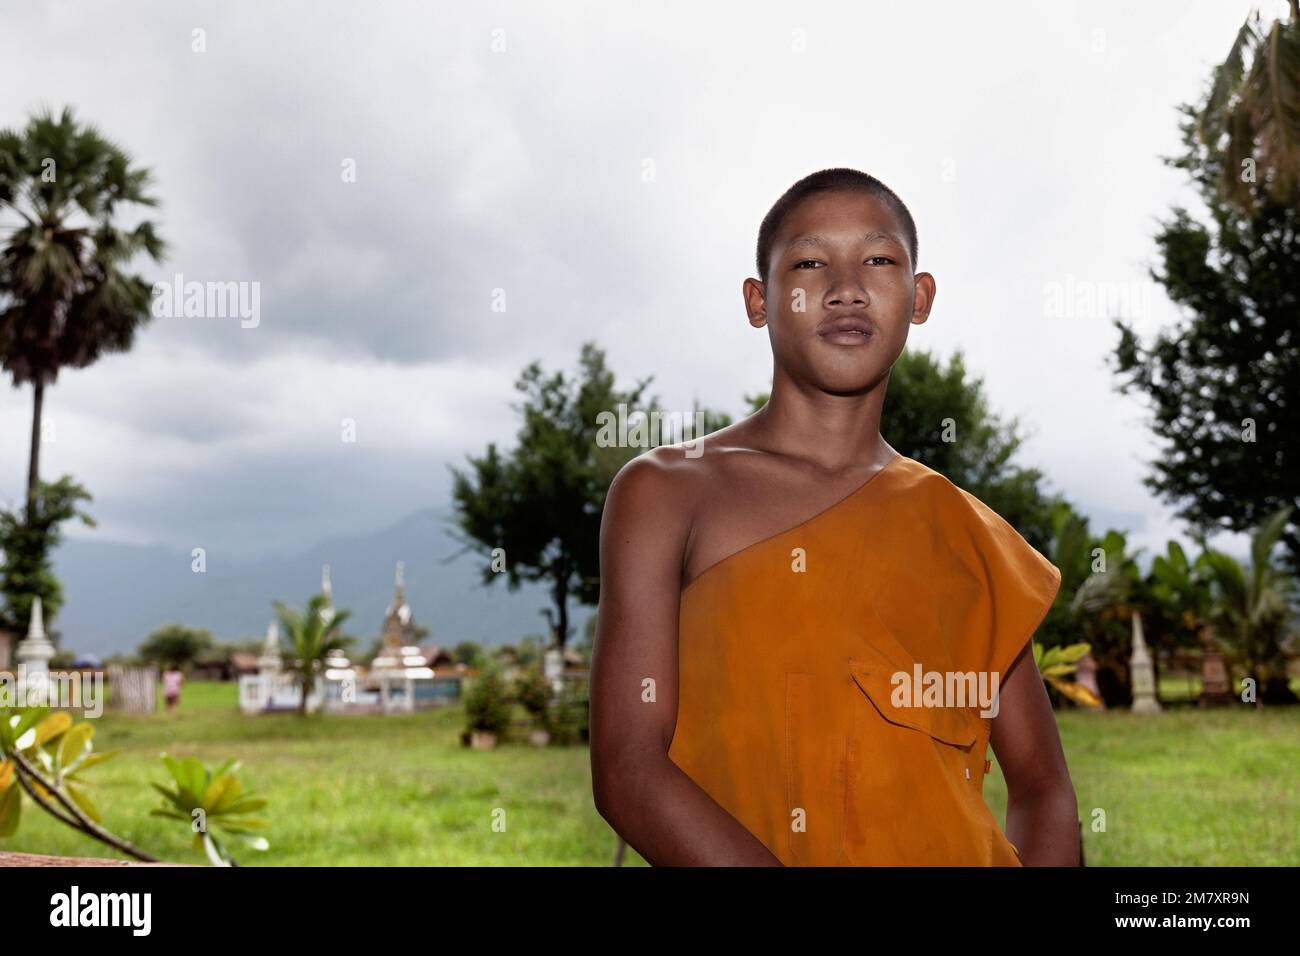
<point>436,654</point>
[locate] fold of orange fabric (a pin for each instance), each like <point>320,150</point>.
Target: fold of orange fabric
<point>837,680</point>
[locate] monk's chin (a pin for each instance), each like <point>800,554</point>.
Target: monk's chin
<point>848,382</point>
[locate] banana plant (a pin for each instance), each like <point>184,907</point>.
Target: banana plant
<point>212,799</point>
<point>1056,663</point>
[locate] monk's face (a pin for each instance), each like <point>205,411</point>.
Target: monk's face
<point>840,293</point>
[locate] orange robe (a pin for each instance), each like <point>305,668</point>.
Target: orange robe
<point>789,712</point>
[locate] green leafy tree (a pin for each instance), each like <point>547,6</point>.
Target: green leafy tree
<point>176,645</point>
<point>312,635</point>
<point>66,293</point>
<point>541,503</point>
<point>1223,382</point>
<point>28,540</point>
<point>467,652</point>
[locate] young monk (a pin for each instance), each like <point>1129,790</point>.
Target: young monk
<point>772,608</point>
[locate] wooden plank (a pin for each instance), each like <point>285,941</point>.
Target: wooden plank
<point>32,859</point>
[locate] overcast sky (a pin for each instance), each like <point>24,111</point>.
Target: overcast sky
<point>608,169</point>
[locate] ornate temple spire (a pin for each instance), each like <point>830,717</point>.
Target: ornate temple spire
<point>399,607</point>
<point>327,612</point>
<point>397,619</point>
<point>399,663</point>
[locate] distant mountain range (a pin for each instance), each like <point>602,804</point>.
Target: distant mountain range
<point>116,594</point>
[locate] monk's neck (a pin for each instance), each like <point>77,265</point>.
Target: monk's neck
<point>837,430</point>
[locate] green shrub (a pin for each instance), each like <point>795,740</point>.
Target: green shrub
<point>533,691</point>
<point>567,719</point>
<point>487,703</point>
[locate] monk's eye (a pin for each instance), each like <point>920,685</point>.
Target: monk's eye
<point>808,262</point>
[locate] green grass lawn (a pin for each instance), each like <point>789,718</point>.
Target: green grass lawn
<point>1185,787</point>
<point>1179,788</point>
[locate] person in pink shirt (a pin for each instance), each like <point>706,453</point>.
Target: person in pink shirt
<point>172,680</point>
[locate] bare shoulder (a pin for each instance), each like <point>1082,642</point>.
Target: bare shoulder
<point>666,486</point>
<point>663,482</point>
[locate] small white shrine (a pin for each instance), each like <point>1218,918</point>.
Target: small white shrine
<point>33,656</point>
<point>399,680</point>
<point>273,689</point>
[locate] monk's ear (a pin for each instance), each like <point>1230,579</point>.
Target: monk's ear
<point>922,297</point>
<point>755,302</point>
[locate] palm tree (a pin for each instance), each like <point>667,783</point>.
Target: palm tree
<point>1254,610</point>
<point>1071,548</point>
<point>1253,110</point>
<point>1183,587</point>
<point>65,294</point>
<point>313,635</point>
<point>1119,591</point>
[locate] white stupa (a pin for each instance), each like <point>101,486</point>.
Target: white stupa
<point>271,660</point>
<point>1142,673</point>
<point>33,656</point>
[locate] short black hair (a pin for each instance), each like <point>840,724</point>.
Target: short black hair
<point>823,181</point>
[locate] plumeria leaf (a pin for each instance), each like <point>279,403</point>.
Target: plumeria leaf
<point>81,797</point>
<point>52,726</point>
<point>11,808</point>
<point>75,744</point>
<point>90,760</point>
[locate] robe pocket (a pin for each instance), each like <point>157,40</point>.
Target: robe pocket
<point>958,726</point>
<point>912,794</point>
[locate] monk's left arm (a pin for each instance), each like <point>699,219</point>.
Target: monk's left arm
<point>1042,812</point>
